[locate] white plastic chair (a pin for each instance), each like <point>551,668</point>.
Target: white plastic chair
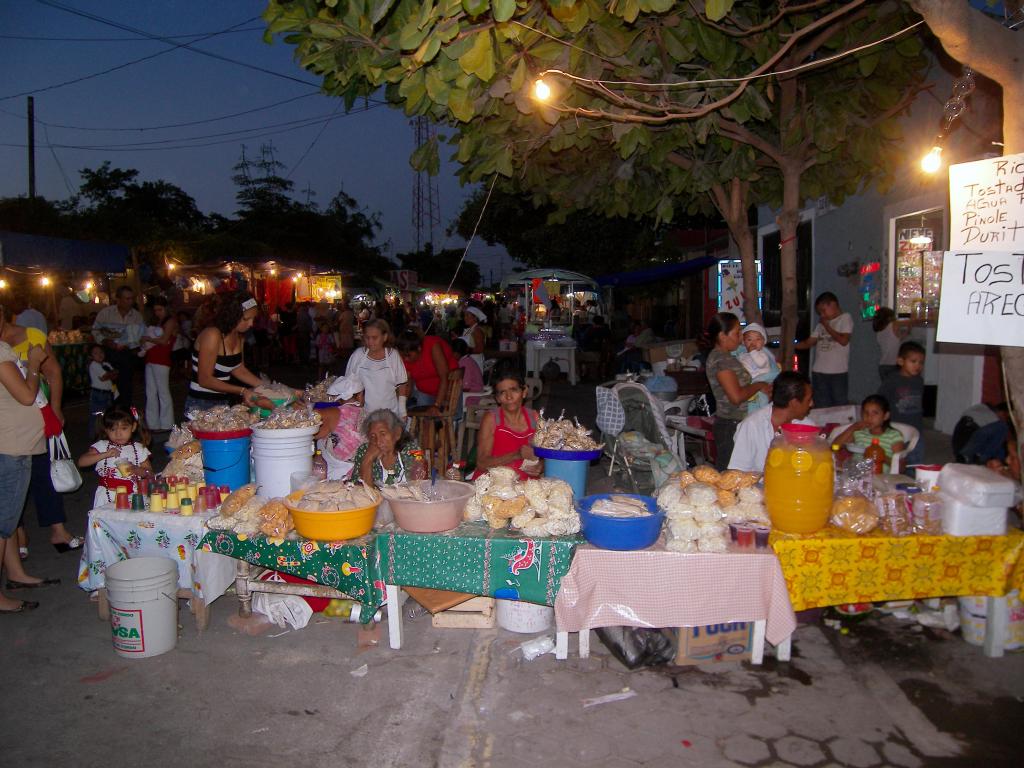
<point>911,437</point>
<point>844,415</point>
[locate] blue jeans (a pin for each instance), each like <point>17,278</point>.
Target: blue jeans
<point>15,472</point>
<point>99,401</point>
<point>830,389</point>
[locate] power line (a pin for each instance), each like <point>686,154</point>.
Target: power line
<point>122,39</point>
<point>67,182</point>
<point>236,137</point>
<point>314,141</point>
<point>187,46</point>
<point>109,70</point>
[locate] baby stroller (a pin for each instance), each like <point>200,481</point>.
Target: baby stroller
<point>633,429</point>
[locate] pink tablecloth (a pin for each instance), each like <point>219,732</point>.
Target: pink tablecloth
<point>658,588</point>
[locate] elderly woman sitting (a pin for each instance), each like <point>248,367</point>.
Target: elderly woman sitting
<point>389,455</point>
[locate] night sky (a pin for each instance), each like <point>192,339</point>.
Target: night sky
<point>364,153</point>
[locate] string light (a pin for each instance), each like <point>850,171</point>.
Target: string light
<point>44,281</point>
<point>171,266</point>
<point>541,90</point>
<point>963,87</point>
<point>932,161</point>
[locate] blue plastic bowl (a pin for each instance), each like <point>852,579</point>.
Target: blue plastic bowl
<point>622,533</point>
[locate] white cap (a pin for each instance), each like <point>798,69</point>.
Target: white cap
<point>756,328</point>
<point>345,387</point>
<point>477,313</point>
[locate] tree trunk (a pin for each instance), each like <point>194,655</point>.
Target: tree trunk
<point>998,53</point>
<point>732,204</point>
<point>788,221</point>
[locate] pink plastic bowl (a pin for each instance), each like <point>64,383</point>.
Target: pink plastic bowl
<point>433,516</point>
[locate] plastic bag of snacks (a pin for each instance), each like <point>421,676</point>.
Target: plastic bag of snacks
<point>894,514</point>
<point>854,513</point>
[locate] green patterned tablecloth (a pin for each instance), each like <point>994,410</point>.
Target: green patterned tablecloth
<point>74,365</point>
<point>476,559</point>
<point>352,567</point>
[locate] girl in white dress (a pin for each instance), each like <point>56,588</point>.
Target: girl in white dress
<point>121,456</point>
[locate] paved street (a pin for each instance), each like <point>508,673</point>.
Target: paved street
<point>885,693</point>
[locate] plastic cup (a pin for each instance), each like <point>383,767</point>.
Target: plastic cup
<point>761,534</point>
<point>745,536</point>
<point>732,532</point>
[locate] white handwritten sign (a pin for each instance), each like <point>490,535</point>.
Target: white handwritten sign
<point>986,201</point>
<point>982,298</point>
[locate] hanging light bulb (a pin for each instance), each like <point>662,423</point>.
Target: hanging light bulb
<point>931,162</point>
<point>541,90</point>
<point>44,281</point>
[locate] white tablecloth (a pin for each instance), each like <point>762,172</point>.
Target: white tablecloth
<point>537,355</point>
<point>115,535</point>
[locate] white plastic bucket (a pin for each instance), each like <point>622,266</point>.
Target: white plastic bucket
<point>277,454</point>
<point>974,619</point>
<point>523,617</point>
<point>143,595</point>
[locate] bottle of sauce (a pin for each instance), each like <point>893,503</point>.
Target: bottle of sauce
<point>319,470</point>
<point>876,453</point>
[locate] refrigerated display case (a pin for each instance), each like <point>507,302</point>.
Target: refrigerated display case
<point>918,268</point>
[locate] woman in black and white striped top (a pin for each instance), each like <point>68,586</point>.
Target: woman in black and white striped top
<point>219,377</point>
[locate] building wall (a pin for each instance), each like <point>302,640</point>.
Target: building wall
<point>858,230</point>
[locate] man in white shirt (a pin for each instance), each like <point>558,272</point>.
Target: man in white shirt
<point>831,340</point>
<point>792,400</point>
<point>119,328</point>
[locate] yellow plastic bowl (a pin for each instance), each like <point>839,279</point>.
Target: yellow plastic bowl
<point>331,526</point>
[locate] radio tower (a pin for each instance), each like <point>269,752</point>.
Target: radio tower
<point>426,212</point>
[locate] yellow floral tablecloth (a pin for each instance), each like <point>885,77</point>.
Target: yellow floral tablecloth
<point>832,567</point>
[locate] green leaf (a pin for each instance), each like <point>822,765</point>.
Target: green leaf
<point>457,49</point>
<point>665,211</point>
<point>437,87</point>
<point>411,36</point>
<point>479,60</point>
<point>503,162</point>
<point>503,10</point>
<point>475,7</point>
<point>716,10</point>
<point>678,43</point>
<point>426,13</point>
<point>611,41</point>
<point>519,76</point>
<point>660,6</point>
<point>868,62</point>
<point>328,31</point>
<point>428,50</point>
<point>379,9</point>
<point>460,105</point>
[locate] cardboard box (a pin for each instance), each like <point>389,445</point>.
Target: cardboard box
<point>715,643</point>
<point>677,349</point>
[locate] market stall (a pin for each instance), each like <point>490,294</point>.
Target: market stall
<point>550,297</point>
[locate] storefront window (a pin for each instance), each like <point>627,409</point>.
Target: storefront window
<point>918,268</point>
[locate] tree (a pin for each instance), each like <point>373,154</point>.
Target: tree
<point>437,268</point>
<point>981,42</point>
<point>627,133</point>
<point>261,187</point>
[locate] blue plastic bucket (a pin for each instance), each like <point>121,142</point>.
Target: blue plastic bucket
<point>570,466</point>
<point>621,533</point>
<point>226,459</point>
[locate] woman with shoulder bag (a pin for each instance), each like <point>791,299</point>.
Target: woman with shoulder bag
<point>49,504</point>
<point>21,438</point>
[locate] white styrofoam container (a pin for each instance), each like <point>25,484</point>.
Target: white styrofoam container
<point>960,519</point>
<point>976,485</point>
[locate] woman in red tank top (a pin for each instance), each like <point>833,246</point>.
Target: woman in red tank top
<point>505,432</point>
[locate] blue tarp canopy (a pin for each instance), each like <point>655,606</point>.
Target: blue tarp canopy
<point>18,250</point>
<point>655,274</point>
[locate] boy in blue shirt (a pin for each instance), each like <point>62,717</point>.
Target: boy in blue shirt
<point>904,389</point>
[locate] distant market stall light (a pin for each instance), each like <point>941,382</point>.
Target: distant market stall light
<point>44,281</point>
<point>3,284</point>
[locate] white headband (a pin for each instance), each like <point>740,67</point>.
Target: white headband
<point>248,304</point>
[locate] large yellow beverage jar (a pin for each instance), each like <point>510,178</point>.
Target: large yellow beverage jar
<point>798,480</point>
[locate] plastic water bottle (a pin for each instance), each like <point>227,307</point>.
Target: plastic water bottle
<point>454,471</point>
<point>319,467</point>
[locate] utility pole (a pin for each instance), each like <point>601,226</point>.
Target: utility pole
<point>31,148</point>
